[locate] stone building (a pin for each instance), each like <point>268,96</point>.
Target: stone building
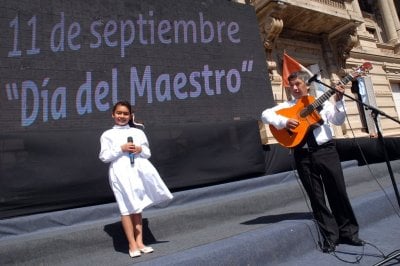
<point>335,37</point>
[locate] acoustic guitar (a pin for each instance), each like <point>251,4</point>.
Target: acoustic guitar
<point>305,111</point>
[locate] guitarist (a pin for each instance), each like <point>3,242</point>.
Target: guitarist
<point>319,167</point>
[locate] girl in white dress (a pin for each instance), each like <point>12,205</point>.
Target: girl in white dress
<point>134,180</point>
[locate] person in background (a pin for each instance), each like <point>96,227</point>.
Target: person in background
<point>134,180</point>
<point>319,167</point>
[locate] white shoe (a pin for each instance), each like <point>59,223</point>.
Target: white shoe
<point>135,253</point>
<point>147,250</point>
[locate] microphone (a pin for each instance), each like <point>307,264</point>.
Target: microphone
<point>312,79</point>
<point>131,155</point>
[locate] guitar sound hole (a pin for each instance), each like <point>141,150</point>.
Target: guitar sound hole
<point>304,113</point>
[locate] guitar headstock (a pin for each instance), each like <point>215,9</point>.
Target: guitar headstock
<point>362,70</point>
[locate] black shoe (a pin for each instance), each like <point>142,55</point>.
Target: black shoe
<point>354,241</point>
<point>328,246</point>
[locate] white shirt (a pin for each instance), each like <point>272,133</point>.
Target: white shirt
<point>112,140</point>
<point>330,113</point>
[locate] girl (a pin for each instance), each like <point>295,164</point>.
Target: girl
<point>134,180</point>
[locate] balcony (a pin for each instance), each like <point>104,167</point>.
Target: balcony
<point>315,17</point>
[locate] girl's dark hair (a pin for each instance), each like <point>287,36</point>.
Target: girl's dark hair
<point>123,103</point>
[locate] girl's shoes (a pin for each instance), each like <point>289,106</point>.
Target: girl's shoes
<point>135,253</point>
<point>138,252</point>
<point>146,250</point>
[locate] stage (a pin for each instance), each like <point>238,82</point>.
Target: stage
<point>199,88</point>
<point>258,221</point>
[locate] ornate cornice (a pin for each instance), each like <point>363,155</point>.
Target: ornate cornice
<point>391,68</point>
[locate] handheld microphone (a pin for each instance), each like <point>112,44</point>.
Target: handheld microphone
<point>131,155</point>
<point>312,79</point>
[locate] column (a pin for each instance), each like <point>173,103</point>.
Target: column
<point>395,17</point>
<point>357,9</point>
<point>388,21</point>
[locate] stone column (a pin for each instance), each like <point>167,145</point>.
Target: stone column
<point>395,17</point>
<point>357,9</point>
<point>388,20</point>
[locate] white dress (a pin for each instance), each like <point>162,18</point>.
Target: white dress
<point>135,186</point>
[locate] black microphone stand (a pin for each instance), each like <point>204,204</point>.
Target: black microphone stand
<point>374,113</point>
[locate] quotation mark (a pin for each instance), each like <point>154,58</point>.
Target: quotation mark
<point>12,91</point>
<point>247,66</point>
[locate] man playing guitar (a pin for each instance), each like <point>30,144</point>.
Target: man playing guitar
<point>317,160</point>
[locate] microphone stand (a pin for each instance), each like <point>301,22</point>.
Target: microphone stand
<point>374,113</point>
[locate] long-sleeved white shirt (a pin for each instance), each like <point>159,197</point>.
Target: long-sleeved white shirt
<point>330,113</point>
<point>112,139</point>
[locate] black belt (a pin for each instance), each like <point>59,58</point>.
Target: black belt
<point>316,146</point>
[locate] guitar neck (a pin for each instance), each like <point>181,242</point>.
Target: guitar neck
<point>330,92</point>
<point>322,99</point>
<point>347,79</point>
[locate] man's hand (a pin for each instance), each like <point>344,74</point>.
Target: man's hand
<point>339,92</point>
<point>292,123</point>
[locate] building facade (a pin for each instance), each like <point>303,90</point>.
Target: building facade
<point>334,38</point>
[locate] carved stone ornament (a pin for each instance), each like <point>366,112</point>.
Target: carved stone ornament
<point>272,28</point>
<point>344,45</point>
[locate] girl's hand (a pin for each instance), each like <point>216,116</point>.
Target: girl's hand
<point>137,149</point>
<point>128,147</point>
<point>131,147</point>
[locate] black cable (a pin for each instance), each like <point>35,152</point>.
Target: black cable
<point>380,186</point>
<point>369,168</point>
<point>359,257</point>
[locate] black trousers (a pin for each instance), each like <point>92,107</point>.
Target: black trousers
<point>320,170</point>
